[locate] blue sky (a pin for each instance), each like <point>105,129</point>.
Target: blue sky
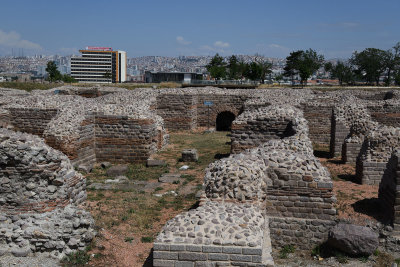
<point>334,28</point>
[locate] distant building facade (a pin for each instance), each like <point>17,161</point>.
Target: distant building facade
<point>180,77</point>
<point>99,65</point>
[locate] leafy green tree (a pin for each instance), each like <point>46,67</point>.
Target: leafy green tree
<point>309,63</point>
<point>217,67</point>
<point>253,71</point>
<point>370,64</point>
<point>304,63</point>
<point>341,71</point>
<point>393,62</point>
<point>234,71</point>
<point>292,64</point>
<point>54,73</point>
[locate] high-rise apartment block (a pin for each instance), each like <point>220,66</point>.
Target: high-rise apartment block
<point>99,65</point>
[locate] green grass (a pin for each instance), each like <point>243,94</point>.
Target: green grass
<point>285,251</point>
<point>147,239</point>
<point>76,259</point>
<point>129,239</point>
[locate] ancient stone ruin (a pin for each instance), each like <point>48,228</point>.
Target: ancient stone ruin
<point>39,194</point>
<point>271,191</point>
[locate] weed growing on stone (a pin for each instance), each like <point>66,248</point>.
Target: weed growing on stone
<point>286,250</point>
<point>78,258</point>
<point>147,239</point>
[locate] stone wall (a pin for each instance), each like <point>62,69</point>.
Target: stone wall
<point>178,111</point>
<point>389,194</point>
<point>187,111</point>
<point>385,114</point>
<point>123,139</point>
<point>319,122</point>
<point>205,255</point>
<point>339,132</point>
<point>221,103</point>
<point>304,233</point>
<point>375,153</point>
<point>39,191</point>
<point>257,126</point>
<point>31,120</point>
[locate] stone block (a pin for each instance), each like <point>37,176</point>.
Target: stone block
<point>218,257</point>
<point>154,163</point>
<point>192,256</point>
<point>232,250</point>
<point>212,249</point>
<point>165,255</point>
<point>177,247</point>
<point>190,155</point>
<point>163,263</point>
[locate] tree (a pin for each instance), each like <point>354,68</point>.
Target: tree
<point>234,71</point>
<point>393,62</point>
<point>342,71</point>
<point>309,63</point>
<point>304,63</point>
<point>291,68</point>
<point>266,68</point>
<point>217,67</point>
<point>253,71</point>
<point>54,73</point>
<point>371,63</point>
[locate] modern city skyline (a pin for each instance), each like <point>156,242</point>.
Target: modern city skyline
<point>173,28</point>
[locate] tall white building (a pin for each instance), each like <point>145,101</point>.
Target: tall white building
<point>99,65</point>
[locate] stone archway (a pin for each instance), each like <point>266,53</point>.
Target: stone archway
<point>224,121</point>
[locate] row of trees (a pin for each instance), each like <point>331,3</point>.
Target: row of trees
<point>235,69</point>
<point>368,66</point>
<point>55,74</point>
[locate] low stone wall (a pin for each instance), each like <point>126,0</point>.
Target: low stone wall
<point>303,233</point>
<point>197,255</point>
<point>385,114</point>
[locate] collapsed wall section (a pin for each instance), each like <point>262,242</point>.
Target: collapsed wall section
<point>257,126</point>
<point>376,151</point>
<point>38,196</point>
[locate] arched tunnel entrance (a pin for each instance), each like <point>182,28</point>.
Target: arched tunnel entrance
<point>224,121</point>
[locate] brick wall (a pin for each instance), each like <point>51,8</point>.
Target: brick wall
<point>121,139</point>
<point>339,132</point>
<point>385,114</point>
<point>256,132</point>
<point>31,120</point>
<point>350,152</point>
<point>178,111</point>
<point>319,122</point>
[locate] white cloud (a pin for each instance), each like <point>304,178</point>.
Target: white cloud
<point>13,39</point>
<point>182,41</point>
<point>221,44</point>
